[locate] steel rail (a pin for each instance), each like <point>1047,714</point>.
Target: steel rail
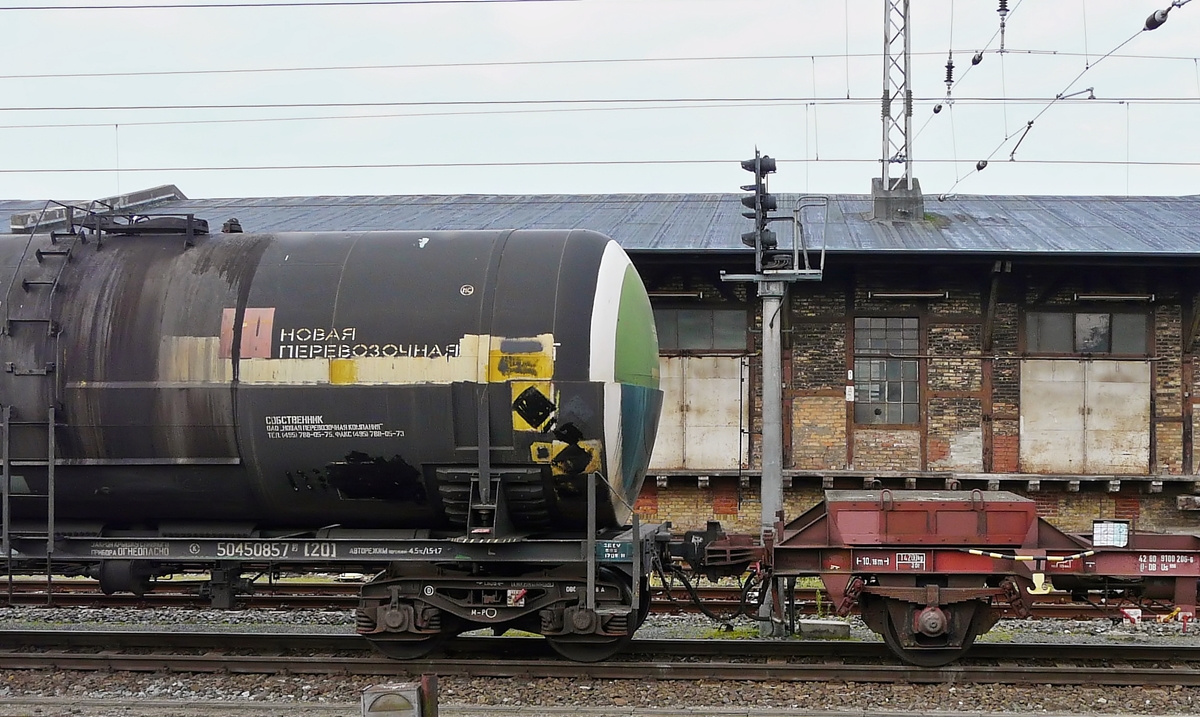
<point>783,671</point>
<point>530,657</point>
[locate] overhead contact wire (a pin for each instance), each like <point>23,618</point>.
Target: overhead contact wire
<point>1029,125</point>
<point>525,63</point>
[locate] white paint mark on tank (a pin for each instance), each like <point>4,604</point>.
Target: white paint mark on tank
<point>423,241</point>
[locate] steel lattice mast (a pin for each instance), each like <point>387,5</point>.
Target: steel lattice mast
<point>897,95</point>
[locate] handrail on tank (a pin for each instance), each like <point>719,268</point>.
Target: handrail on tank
<point>98,208</point>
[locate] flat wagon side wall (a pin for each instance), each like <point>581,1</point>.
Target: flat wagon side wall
<point>1070,381</point>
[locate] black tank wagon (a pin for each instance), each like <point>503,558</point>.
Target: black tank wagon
<point>433,403</point>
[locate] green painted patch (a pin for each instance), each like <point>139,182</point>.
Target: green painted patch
<point>637,341</point>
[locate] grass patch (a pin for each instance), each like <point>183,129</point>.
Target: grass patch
<point>743,632</point>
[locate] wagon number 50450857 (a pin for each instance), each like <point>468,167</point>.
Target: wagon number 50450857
<point>271,550</point>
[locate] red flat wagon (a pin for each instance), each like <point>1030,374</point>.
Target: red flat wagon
<point>930,570</point>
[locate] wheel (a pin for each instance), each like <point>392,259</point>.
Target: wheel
<point>410,648</point>
<point>922,657</point>
<point>587,648</point>
<point>594,648</point>
<point>930,656</point>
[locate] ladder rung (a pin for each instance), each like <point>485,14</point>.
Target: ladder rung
<point>50,252</point>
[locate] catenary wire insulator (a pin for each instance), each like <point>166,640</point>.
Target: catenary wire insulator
<point>949,74</point>
<point>1158,17</point>
<point>978,58</point>
<point>1003,17</point>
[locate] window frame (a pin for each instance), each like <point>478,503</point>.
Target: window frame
<point>1074,312</point>
<point>712,309</point>
<point>860,357</point>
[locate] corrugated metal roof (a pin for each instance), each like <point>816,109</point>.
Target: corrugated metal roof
<point>713,222</point>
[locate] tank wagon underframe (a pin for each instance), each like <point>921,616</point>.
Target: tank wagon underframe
<point>587,596</point>
<point>929,570</point>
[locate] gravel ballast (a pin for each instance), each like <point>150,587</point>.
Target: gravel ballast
<point>28,692</point>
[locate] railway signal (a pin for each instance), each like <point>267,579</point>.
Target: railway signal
<point>761,202</point>
<point>773,271</point>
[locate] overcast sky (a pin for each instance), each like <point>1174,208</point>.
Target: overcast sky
<point>793,108</point>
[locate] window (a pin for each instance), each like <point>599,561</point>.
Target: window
<point>1085,332</point>
<point>885,388</point>
<point>701,329</point>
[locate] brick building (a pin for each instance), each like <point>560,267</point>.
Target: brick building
<point>1043,345</point>
<point>1039,345</point>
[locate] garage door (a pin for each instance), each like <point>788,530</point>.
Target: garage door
<point>704,414</point>
<point>1085,417</point>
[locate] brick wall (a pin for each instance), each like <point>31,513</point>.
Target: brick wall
<point>725,500</point>
<point>824,299</point>
<point>1006,456</point>
<point>1195,432</point>
<point>1074,512</point>
<point>689,507</point>
<point>1168,369</point>
<point>955,441</point>
<point>818,356</point>
<point>647,501</point>
<point>1168,389</point>
<point>887,449</point>
<point>950,371</point>
<point>964,299</point>
<point>1168,448</point>
<point>1047,504</point>
<point>685,505</point>
<point>800,498</point>
<point>1006,370</point>
<point>819,432</point>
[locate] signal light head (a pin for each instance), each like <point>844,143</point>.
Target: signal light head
<point>769,202</point>
<point>766,164</point>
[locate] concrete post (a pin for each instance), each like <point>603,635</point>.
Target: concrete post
<point>771,293</point>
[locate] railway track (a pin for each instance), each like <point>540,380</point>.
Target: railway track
<point>260,653</point>
<point>344,596</point>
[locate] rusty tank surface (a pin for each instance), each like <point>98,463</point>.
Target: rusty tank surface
<point>301,380</point>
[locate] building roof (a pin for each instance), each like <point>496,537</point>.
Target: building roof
<point>9,207</point>
<point>1047,225</point>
